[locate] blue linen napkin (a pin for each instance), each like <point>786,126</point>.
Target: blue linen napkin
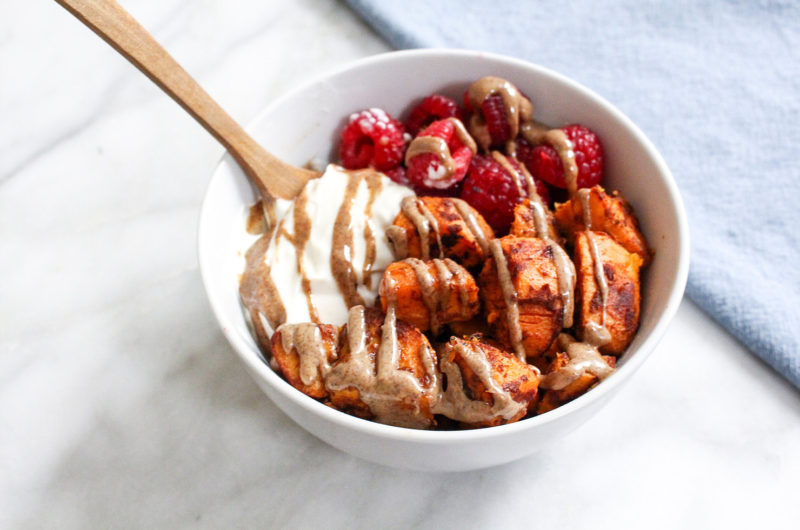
<point>715,85</point>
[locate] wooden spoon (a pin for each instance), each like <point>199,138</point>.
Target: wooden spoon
<point>272,176</point>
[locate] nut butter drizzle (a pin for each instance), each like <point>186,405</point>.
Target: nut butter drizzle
<point>435,289</point>
<point>342,251</point>
<point>466,213</point>
<point>424,221</point>
<point>438,147</point>
<point>307,340</point>
<point>454,401</point>
<point>374,185</point>
<point>510,298</point>
<point>258,292</point>
<point>399,241</point>
<point>518,109</point>
<point>583,358</point>
<point>382,384</point>
<point>537,133</point>
<point>564,266</point>
<point>593,333</point>
<point>432,145</point>
<point>302,232</point>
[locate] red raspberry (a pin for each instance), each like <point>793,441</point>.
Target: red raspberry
<point>491,190</point>
<point>454,191</point>
<point>541,189</point>
<point>545,164</point>
<point>398,175</point>
<point>432,108</point>
<point>494,112</point>
<point>425,170</point>
<point>374,139</point>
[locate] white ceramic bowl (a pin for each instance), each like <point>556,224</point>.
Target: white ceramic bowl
<point>304,125</point>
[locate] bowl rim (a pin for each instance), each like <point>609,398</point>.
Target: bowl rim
<point>253,358</point>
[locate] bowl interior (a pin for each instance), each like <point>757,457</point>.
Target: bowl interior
<point>303,126</point>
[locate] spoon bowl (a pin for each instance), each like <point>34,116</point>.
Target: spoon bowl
<point>304,125</point>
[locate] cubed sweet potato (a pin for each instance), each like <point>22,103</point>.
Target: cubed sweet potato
<point>609,213</point>
<point>430,293</point>
<point>621,272</point>
<point>534,276</point>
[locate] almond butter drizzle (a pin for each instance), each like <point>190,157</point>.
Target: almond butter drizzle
<point>306,339</point>
<point>454,401</point>
<point>383,386</point>
<point>435,146</point>
<point>435,289</point>
<point>438,147</point>
<point>258,292</point>
<point>389,390</point>
<point>594,333</point>
<point>564,266</point>
<point>374,185</point>
<point>463,135</point>
<point>424,221</point>
<point>583,358</point>
<point>517,108</point>
<point>399,240</point>
<point>509,297</point>
<point>302,232</point>
<point>342,250</point>
<point>537,134</point>
<point>466,213</point>
<point>256,219</point>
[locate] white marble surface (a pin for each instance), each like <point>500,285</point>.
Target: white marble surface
<point>121,404</point>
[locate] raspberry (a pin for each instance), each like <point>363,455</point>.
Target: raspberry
<point>453,191</point>
<point>544,163</point>
<point>398,175</point>
<point>374,139</point>
<point>541,189</point>
<point>494,112</point>
<point>491,190</point>
<point>432,108</point>
<point>425,170</point>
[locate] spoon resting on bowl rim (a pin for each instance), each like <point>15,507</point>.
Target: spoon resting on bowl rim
<point>273,177</point>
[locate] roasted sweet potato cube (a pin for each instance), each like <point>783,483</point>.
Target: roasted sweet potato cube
<point>427,294</point>
<point>534,277</point>
<point>609,213</point>
<point>486,386</point>
<point>551,399</point>
<point>524,224</point>
<point>456,232</point>
<point>303,353</point>
<point>402,398</point>
<point>621,273</point>
<point>469,327</point>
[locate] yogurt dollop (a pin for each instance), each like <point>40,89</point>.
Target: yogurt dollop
<point>326,253</point>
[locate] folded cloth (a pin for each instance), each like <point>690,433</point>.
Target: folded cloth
<point>715,85</point>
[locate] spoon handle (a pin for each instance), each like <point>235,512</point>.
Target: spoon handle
<point>119,29</point>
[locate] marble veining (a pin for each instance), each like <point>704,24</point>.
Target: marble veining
<point>122,405</point>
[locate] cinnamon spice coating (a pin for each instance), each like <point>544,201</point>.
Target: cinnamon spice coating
<point>534,276</point>
<point>517,378</point>
<point>453,299</point>
<point>609,213</point>
<point>621,271</point>
<point>410,345</point>
<point>551,399</point>
<point>289,361</point>
<point>524,224</point>
<point>459,241</point>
